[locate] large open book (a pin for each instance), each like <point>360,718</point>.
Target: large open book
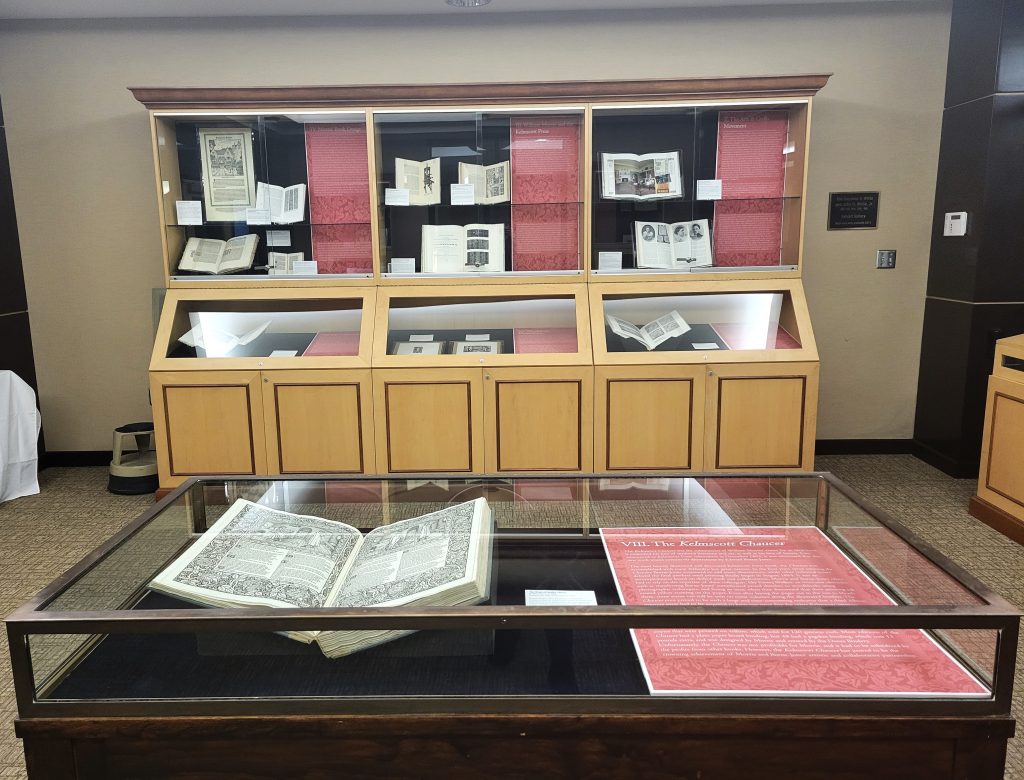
<point>255,556</point>
<point>213,256</point>
<point>653,333</point>
<point>449,249</point>
<point>641,176</point>
<point>675,245</point>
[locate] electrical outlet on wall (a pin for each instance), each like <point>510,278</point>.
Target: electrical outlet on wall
<point>885,258</point>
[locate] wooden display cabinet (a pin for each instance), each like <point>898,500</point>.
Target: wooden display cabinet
<point>294,397</point>
<point>524,408</point>
<point>999,501</point>
<point>737,391</point>
<point>728,221</point>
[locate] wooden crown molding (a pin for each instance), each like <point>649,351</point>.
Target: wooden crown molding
<point>447,94</point>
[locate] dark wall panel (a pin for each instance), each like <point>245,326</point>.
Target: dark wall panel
<point>960,186</point>
<point>973,50</point>
<point>16,352</point>
<point>12,280</point>
<point>1011,49</point>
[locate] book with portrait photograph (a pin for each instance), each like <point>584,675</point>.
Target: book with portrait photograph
<point>672,245</point>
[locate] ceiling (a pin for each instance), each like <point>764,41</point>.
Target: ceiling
<point>106,9</point>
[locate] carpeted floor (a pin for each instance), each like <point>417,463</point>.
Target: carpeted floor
<point>44,535</point>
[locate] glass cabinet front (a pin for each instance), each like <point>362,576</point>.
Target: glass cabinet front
<point>470,192</point>
<point>265,195</point>
<point>224,327</point>
<point>687,189</point>
<point>474,327</point>
<point>716,322</point>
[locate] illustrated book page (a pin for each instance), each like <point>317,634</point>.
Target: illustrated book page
<point>653,333</point>
<point>286,205</point>
<point>675,245</point>
<point>213,256</point>
<point>450,249</point>
<point>490,182</point>
<point>421,179</point>
<point>229,183</point>
<point>770,566</point>
<point>258,556</point>
<point>641,176</point>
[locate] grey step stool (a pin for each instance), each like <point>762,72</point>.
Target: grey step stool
<point>133,473</point>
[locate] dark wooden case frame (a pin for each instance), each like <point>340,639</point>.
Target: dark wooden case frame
<point>570,736</point>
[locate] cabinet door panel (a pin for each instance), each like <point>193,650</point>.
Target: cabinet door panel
<point>649,418</point>
<point>1002,478</point>
<point>318,421</point>
<point>208,423</point>
<point>428,420</point>
<point>539,419</point>
<point>762,417</point>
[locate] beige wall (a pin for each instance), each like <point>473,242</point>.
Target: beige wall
<point>84,189</point>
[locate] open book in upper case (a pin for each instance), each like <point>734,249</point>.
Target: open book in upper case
<point>496,325</point>
<point>700,321</point>
<point>321,328</point>
<point>480,193</point>
<point>256,195</point>
<point>689,189</point>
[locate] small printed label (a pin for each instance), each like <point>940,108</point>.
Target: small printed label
<point>463,195</point>
<point>705,345</point>
<point>190,212</point>
<point>393,197</point>
<point>709,189</point>
<point>279,238</point>
<point>422,337</point>
<point>257,216</point>
<point>478,337</point>
<point>403,265</point>
<point>561,598</point>
<point>283,353</point>
<point>609,261</point>
<point>305,268</point>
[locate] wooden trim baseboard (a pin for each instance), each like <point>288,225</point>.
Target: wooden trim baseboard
<point>863,447</point>
<point>997,519</point>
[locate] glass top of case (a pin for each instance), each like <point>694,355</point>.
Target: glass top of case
<point>266,329</point>
<point>700,322</point>
<point>473,547</point>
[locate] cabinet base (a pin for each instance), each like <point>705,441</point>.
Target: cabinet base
<point>996,518</point>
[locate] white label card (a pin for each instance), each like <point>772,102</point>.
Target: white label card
<point>709,189</point>
<point>403,265</point>
<point>463,195</point>
<point>305,268</point>
<point>561,598</point>
<point>393,197</point>
<point>478,337</point>
<point>257,216</point>
<point>283,353</point>
<point>705,345</point>
<point>190,212</point>
<point>609,261</point>
<point>279,238</point>
<point>422,337</point>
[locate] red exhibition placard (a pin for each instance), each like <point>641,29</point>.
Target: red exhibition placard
<point>337,170</point>
<point>751,153</point>
<point>546,237</point>
<point>545,159</point>
<point>343,249</point>
<point>534,340</point>
<point>333,344</point>
<point>773,566</point>
<point>748,232</point>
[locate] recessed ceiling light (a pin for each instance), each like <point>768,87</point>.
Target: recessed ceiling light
<point>467,3</point>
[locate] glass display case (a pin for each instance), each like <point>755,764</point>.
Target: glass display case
<point>703,375</point>
<point>263,381</point>
<point>253,194</point>
<point>507,325</point>
<point>780,600</point>
<point>484,192</point>
<point>683,189</point>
